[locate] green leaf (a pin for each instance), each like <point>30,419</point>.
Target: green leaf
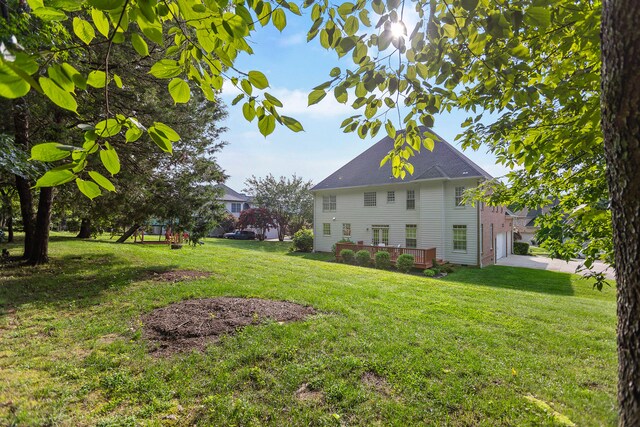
<point>165,69</point>
<point>106,4</point>
<point>55,177</point>
<point>117,80</point>
<point>83,30</point>
<point>248,111</point>
<point>139,45</point>
<point>273,100</point>
<point>101,21</point>
<point>11,84</point>
<point>540,16</point>
<point>110,159</point>
<point>469,5</point>
<point>449,30</point>
<point>133,134</point>
<point>96,79</point>
<point>258,79</point>
<point>88,188</point>
<point>166,131</point>
<point>107,128</point>
<point>351,25</point>
<point>335,72</point>
<point>316,96</point>
<point>102,181</point>
<point>279,19</point>
<point>160,140</point>
<point>48,152</point>
<point>267,124</point>
<point>179,91</point>
<point>292,124</point>
<point>59,96</point>
<point>49,14</point>
<point>429,143</point>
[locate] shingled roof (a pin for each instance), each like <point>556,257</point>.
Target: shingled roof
<point>443,162</point>
<point>231,195</point>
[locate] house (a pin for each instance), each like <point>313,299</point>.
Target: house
<point>362,201</point>
<point>235,203</point>
<point>524,222</point>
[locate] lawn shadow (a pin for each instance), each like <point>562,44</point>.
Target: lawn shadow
<point>78,278</point>
<point>521,279</point>
<point>250,245</point>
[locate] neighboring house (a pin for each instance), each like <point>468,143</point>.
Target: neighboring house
<point>235,203</point>
<point>524,222</point>
<point>363,202</point>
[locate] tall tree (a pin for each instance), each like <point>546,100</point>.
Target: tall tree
<point>288,199</point>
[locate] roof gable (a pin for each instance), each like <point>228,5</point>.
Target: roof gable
<point>231,195</point>
<point>443,162</point>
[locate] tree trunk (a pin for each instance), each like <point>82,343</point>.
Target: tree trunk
<point>10,228</point>
<point>85,229</point>
<point>621,127</point>
<point>40,249</point>
<point>21,136</point>
<point>128,233</point>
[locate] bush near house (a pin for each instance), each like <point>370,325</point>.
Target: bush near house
<point>405,262</point>
<point>429,273</point>
<point>303,240</point>
<point>383,260</point>
<point>520,248</point>
<point>347,255</point>
<point>333,248</point>
<point>363,258</point>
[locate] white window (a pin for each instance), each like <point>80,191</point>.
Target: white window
<point>411,199</point>
<point>459,196</point>
<point>326,229</point>
<point>380,235</point>
<point>329,203</point>
<point>236,207</point>
<point>459,237</point>
<point>391,196</point>
<point>370,198</point>
<point>346,230</point>
<point>411,235</point>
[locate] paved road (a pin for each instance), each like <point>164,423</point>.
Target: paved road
<point>544,263</point>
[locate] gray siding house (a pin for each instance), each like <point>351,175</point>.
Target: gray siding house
<point>363,202</point>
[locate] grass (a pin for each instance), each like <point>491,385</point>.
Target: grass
<point>536,250</point>
<point>497,346</point>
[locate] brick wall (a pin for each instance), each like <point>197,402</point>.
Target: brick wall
<point>496,216</point>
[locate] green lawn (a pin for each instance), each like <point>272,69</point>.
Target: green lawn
<point>471,349</point>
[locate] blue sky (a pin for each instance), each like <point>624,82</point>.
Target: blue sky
<point>293,67</point>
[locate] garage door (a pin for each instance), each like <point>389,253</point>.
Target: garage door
<point>501,245</point>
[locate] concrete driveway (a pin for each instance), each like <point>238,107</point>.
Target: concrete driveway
<point>545,263</point>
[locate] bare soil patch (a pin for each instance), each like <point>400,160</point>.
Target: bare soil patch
<point>377,383</point>
<point>177,275</point>
<point>305,394</point>
<point>192,324</point>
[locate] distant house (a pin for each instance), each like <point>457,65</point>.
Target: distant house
<point>524,222</point>
<point>362,201</point>
<point>235,203</point>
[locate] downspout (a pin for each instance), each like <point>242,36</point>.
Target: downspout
<point>314,221</point>
<point>478,234</point>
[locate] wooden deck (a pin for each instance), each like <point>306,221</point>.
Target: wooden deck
<point>423,258</point>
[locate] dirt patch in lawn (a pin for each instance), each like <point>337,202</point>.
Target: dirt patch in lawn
<point>192,324</point>
<point>177,275</point>
<point>377,383</point>
<point>305,394</point>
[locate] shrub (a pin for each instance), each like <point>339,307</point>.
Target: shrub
<point>303,240</point>
<point>347,256</point>
<point>383,260</point>
<point>429,273</point>
<point>448,268</point>
<point>435,266</point>
<point>333,248</point>
<point>363,258</point>
<point>405,262</point>
<point>520,248</point>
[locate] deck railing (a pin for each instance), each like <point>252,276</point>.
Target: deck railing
<point>423,258</point>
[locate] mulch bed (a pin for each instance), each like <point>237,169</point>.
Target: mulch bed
<point>192,324</point>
